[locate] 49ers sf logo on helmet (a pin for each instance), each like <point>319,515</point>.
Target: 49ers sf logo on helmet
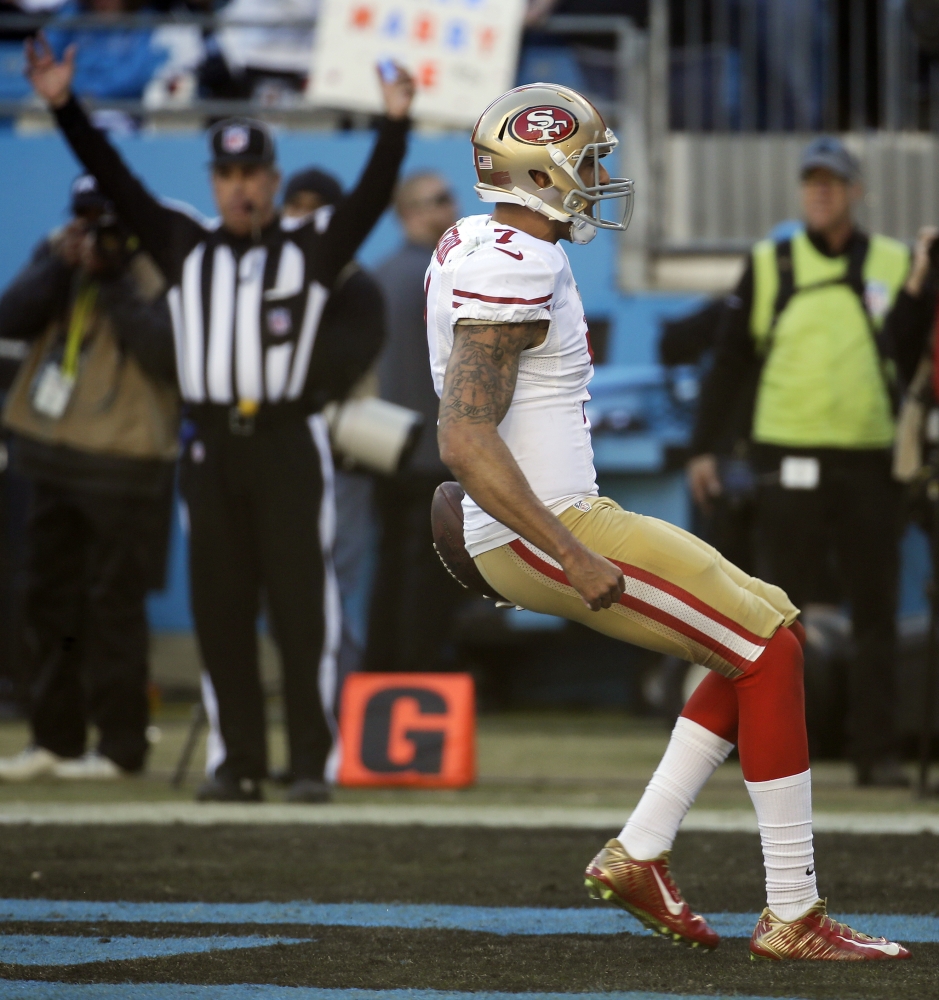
<point>539,126</point>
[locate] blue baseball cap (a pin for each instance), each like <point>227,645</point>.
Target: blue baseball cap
<point>829,153</point>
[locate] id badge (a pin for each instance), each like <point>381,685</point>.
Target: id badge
<point>52,391</point>
<point>797,473</point>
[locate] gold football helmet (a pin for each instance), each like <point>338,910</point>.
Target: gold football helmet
<point>547,127</point>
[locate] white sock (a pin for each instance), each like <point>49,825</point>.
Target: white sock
<point>784,811</point>
<point>692,756</point>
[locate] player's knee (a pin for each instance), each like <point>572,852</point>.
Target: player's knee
<point>782,657</point>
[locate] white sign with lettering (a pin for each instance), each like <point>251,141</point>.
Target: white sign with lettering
<point>463,54</point>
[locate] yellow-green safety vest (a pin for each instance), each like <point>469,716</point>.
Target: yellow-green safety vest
<point>822,384</point>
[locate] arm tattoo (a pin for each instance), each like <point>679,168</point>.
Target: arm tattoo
<point>483,368</point>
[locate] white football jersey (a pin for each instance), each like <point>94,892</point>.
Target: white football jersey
<point>483,270</point>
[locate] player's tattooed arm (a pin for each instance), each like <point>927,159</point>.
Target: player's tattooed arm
<point>478,388</point>
<point>483,369</point>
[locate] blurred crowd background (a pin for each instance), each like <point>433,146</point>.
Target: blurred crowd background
<point>716,103</point>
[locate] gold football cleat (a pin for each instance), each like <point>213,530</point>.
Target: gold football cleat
<point>816,937</point>
<point>647,890</point>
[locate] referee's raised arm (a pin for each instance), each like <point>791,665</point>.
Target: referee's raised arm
<point>357,214</point>
<point>164,232</point>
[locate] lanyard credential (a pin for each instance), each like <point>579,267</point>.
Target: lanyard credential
<point>55,383</point>
<point>78,325</point>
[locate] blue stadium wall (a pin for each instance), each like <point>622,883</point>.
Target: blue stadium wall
<point>35,173</point>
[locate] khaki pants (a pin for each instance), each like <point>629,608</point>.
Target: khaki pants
<point>682,597</point>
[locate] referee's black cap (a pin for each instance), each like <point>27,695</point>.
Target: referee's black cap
<point>242,141</point>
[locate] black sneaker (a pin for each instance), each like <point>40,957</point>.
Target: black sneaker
<point>223,788</point>
<point>308,790</point>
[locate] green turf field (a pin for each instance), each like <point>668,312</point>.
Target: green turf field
<point>575,759</point>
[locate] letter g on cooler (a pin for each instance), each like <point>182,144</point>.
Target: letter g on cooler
<point>408,729</point>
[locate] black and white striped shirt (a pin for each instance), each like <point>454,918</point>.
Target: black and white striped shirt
<point>245,311</point>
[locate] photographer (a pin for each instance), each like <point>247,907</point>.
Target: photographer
<point>94,413</point>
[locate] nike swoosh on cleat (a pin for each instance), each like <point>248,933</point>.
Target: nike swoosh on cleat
<point>670,904</point>
<point>890,948</point>
<point>517,256</point>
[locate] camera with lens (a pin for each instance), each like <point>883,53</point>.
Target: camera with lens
<point>112,241</point>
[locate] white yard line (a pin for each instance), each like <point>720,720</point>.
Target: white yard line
<point>524,817</point>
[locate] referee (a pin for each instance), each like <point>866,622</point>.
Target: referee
<point>246,295</point>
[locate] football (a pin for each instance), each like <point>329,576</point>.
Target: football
<point>446,516</point>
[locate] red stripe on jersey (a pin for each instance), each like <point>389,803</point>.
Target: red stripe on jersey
<point>655,613</point>
<point>502,300</point>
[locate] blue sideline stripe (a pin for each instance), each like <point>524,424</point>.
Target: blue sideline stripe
<point>36,949</point>
<point>177,991</point>
<point>524,920</point>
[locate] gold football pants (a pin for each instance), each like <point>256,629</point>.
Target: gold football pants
<point>682,596</point>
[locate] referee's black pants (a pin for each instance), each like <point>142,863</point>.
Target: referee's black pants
<point>255,503</point>
<point>850,525</point>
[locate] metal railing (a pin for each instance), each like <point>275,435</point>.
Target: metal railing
<point>725,191</point>
<point>797,66</point>
<point>730,65</point>
<point>144,21</point>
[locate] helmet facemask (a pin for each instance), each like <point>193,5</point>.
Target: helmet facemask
<point>585,202</point>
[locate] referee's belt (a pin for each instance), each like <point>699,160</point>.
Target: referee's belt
<point>245,419</point>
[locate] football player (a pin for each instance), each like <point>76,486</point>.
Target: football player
<point>511,360</point>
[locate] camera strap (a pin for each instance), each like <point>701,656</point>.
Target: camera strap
<point>82,311</point>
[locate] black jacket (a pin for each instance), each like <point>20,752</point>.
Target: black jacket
<point>908,327</point>
<point>41,293</point>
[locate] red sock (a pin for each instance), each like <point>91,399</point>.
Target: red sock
<point>771,703</point>
<point>713,704</point>
<point>763,710</point>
